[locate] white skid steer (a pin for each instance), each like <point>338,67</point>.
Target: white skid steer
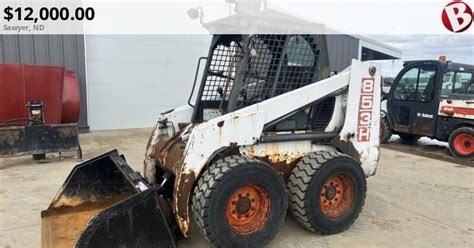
<point>269,129</point>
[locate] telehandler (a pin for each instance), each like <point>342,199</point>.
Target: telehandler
<point>435,99</point>
<point>269,130</point>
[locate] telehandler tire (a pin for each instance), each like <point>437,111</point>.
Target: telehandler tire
<point>385,132</point>
<point>461,143</point>
<point>327,192</point>
<point>239,202</point>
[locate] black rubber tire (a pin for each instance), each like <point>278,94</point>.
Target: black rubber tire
<point>468,130</point>
<point>306,182</point>
<point>214,189</point>
<point>386,132</point>
<point>408,138</point>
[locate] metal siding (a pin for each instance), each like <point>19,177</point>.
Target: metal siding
<point>27,55</point>
<point>1,47</point>
<point>62,50</point>
<point>41,49</point>
<point>10,48</point>
<point>131,79</point>
<point>55,44</point>
<point>342,49</point>
<point>81,66</point>
<point>70,57</point>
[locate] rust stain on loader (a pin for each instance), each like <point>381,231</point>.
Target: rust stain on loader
<point>283,168</point>
<point>61,226</point>
<point>183,187</point>
<point>283,161</point>
<point>346,147</point>
<point>169,155</point>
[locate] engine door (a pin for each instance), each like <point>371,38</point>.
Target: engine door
<point>412,105</point>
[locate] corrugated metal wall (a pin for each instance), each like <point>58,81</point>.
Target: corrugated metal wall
<point>342,49</point>
<point>62,50</point>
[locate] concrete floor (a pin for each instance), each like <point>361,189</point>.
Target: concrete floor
<point>412,201</point>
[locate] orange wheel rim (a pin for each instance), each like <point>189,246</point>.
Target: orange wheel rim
<point>464,144</point>
<point>247,209</point>
<point>337,195</point>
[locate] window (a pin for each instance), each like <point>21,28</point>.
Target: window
<point>417,84</point>
<point>448,83</point>
<point>470,88</point>
<point>457,83</point>
<point>426,82</point>
<point>299,52</point>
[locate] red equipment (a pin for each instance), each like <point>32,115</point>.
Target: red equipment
<point>39,109</point>
<point>55,86</point>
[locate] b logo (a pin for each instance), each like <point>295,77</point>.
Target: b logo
<point>457,16</point>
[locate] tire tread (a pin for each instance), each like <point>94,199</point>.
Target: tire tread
<point>298,186</point>
<point>201,200</point>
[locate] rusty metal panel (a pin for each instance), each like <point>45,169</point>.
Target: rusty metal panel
<point>37,139</point>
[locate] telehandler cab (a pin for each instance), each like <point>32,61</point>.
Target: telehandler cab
<point>269,130</point>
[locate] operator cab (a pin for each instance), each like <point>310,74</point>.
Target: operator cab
<point>242,70</point>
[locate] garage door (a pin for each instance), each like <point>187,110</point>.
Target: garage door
<point>131,79</point>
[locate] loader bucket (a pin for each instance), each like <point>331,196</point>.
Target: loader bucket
<point>104,203</point>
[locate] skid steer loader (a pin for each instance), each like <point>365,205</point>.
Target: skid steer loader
<point>269,130</point>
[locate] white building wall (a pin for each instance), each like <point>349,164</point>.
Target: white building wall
<point>131,79</point>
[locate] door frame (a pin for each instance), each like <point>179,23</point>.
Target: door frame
<point>415,105</point>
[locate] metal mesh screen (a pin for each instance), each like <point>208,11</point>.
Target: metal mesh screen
<point>277,64</point>
<point>273,65</point>
<point>221,72</point>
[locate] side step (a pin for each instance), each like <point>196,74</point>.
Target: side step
<point>104,203</point>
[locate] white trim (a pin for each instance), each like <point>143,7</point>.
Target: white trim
<point>359,54</point>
